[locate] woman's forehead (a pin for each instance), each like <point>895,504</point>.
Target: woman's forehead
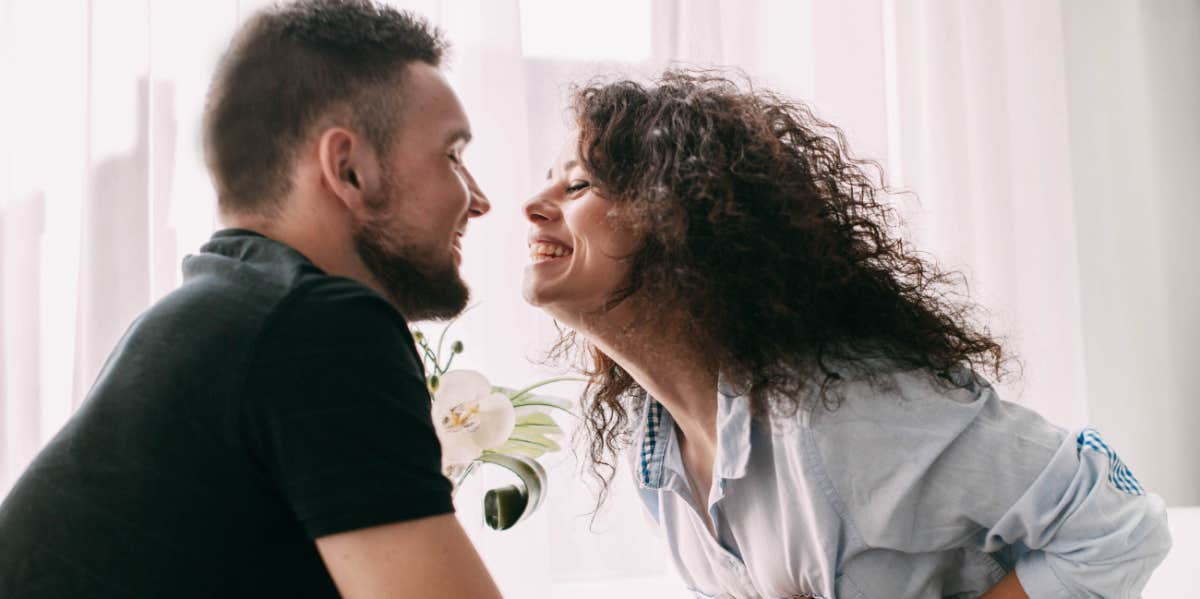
<point>566,158</point>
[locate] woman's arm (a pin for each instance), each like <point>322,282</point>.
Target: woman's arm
<point>923,468</point>
<point>1090,527</point>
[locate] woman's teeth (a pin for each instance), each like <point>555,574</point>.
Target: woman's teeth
<point>540,252</point>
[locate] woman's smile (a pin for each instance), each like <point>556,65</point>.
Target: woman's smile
<point>543,251</point>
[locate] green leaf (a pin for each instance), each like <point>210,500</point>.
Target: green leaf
<point>534,448</point>
<point>534,434</point>
<point>539,401</point>
<point>521,448</point>
<point>522,398</point>
<point>535,438</point>
<point>531,417</point>
<point>504,507</point>
<point>543,429</point>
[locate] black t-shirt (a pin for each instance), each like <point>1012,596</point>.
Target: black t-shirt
<point>260,406</point>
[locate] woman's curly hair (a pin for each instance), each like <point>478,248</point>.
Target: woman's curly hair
<point>764,233</point>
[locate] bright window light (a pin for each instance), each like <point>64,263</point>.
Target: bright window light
<point>586,30</point>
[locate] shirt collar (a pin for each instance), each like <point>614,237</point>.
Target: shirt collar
<point>733,431</point>
<point>733,437</point>
<point>656,427</point>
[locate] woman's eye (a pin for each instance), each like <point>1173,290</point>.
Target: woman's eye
<point>577,186</point>
<point>454,158</point>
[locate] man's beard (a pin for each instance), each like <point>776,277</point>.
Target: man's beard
<point>417,282</point>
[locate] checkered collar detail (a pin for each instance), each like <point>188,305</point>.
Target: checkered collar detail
<point>733,438</point>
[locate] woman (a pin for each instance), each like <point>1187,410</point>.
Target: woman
<point>798,391</point>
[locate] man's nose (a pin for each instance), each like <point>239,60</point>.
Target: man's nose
<point>479,204</point>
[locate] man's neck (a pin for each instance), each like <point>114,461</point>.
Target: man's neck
<point>324,239</point>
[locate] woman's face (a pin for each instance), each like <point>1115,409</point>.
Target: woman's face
<point>575,254</point>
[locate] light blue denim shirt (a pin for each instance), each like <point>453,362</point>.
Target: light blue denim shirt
<point>908,490</point>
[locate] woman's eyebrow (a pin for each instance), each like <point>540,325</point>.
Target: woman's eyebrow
<point>568,165</point>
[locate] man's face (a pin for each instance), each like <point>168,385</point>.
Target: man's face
<point>411,240</point>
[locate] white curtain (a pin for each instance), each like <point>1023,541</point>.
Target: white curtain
<point>1047,144</point>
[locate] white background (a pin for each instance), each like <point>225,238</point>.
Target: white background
<point>1051,146</point>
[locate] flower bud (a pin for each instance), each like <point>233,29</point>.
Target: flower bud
<point>457,347</point>
<point>418,335</point>
<point>433,383</point>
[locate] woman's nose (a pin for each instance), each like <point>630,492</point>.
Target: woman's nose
<point>538,208</point>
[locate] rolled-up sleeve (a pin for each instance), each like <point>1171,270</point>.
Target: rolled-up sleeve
<point>924,468</point>
<point>1093,532</point>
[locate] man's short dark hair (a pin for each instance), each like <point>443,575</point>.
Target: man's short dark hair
<point>291,66</point>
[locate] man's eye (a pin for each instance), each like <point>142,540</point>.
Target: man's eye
<point>454,157</point>
<point>577,186</point>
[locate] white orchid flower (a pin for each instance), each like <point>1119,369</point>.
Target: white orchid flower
<point>469,417</point>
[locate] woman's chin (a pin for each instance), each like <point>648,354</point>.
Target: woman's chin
<point>541,279</point>
<point>535,292</point>
<point>550,301</point>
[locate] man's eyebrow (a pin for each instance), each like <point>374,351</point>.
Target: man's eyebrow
<point>456,135</point>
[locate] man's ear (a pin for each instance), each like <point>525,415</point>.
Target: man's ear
<point>348,166</point>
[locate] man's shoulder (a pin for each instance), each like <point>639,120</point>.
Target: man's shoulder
<point>340,319</point>
<point>257,292</point>
<point>250,266</point>
<point>334,307</point>
<point>262,279</point>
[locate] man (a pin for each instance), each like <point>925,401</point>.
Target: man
<point>264,430</point>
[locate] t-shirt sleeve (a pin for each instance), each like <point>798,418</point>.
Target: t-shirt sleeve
<point>337,416</point>
<point>921,468</point>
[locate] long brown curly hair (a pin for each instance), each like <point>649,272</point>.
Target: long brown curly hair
<point>761,230</point>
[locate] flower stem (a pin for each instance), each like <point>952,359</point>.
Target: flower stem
<point>431,357</point>
<point>463,477</point>
<point>448,363</point>
<point>548,405</point>
<point>526,390</point>
<point>446,328</point>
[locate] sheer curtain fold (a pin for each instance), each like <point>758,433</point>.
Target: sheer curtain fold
<point>1133,92</point>
<point>981,126</point>
<point>22,223</point>
<point>1048,146</point>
